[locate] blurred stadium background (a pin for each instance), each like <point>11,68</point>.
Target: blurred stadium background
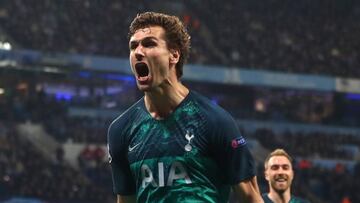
<point>288,71</point>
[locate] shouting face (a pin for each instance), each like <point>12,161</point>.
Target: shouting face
<point>279,173</point>
<point>152,63</point>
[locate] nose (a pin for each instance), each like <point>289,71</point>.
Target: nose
<point>280,171</point>
<point>139,53</point>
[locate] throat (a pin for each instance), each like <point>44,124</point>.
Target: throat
<point>159,108</point>
<point>160,116</point>
<point>161,105</point>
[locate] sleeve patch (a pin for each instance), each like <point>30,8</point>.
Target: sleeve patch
<point>237,142</point>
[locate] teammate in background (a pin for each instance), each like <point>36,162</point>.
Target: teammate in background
<point>279,174</point>
<point>174,145</point>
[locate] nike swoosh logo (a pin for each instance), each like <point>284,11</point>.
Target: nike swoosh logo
<point>133,147</point>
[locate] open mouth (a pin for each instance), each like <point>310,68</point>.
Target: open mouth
<point>142,69</point>
<point>281,180</point>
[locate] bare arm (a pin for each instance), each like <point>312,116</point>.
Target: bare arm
<point>248,191</point>
<point>126,199</point>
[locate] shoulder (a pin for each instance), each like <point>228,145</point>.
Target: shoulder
<point>266,198</point>
<point>117,136</point>
<point>213,112</point>
<point>295,199</point>
<point>126,118</point>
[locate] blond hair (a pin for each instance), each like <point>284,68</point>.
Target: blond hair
<point>277,152</point>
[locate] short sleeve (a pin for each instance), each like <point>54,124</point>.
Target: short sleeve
<point>231,151</point>
<point>123,181</point>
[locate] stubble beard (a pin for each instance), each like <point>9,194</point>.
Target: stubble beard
<point>283,187</point>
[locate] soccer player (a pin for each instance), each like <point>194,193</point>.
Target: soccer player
<point>279,174</point>
<point>174,145</point>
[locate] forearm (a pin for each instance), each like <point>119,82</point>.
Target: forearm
<point>248,191</point>
<point>126,199</point>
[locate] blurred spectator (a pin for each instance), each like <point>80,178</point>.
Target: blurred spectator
<point>28,173</point>
<point>307,37</point>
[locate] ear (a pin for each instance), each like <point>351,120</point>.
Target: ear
<point>266,175</point>
<point>293,173</point>
<point>174,56</point>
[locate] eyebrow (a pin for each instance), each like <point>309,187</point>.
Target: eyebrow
<point>144,39</point>
<point>280,165</point>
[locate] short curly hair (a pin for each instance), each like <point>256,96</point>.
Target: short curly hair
<point>176,35</point>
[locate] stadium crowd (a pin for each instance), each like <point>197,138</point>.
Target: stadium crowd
<point>311,180</point>
<point>26,172</point>
<point>307,37</point>
<point>306,145</point>
<point>284,105</point>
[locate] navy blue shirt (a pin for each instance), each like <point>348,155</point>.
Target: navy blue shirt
<point>195,154</point>
<point>293,199</point>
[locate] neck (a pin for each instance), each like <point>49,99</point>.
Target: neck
<point>162,101</point>
<point>278,197</point>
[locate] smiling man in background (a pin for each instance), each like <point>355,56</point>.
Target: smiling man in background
<point>279,174</point>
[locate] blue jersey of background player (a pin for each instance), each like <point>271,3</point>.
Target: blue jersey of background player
<point>174,145</point>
